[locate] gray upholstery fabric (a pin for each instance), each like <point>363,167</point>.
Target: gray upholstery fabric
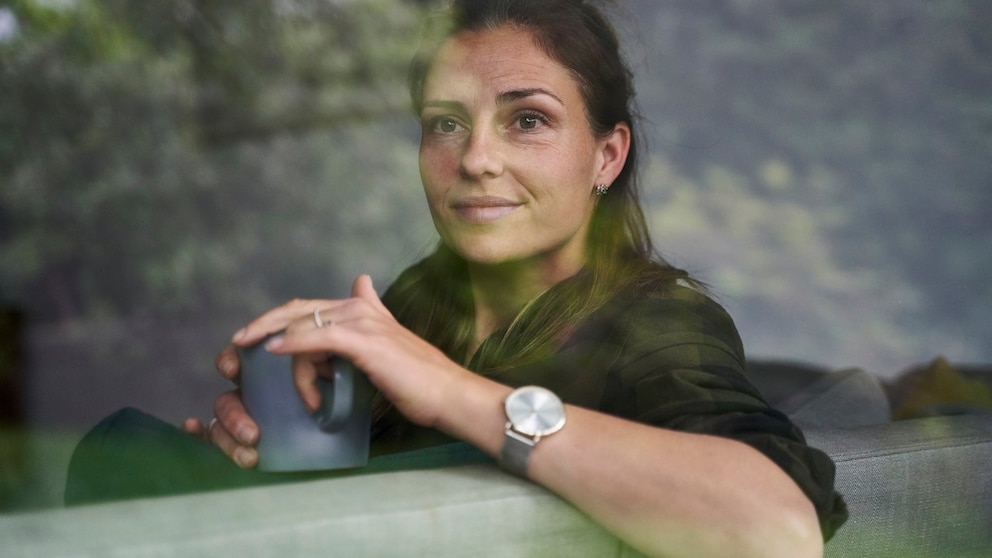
<point>452,512</point>
<point>916,488</point>
<point>843,399</point>
<point>778,379</point>
<point>817,398</point>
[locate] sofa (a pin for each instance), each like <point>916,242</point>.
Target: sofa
<point>917,487</point>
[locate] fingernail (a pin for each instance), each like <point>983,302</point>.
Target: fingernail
<point>246,435</point>
<point>274,343</point>
<point>227,366</point>
<point>245,457</point>
<point>311,405</point>
<point>239,335</point>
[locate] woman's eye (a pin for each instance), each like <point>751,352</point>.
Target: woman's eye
<point>447,125</point>
<point>444,125</point>
<point>529,121</point>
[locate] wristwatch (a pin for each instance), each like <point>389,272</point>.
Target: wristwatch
<point>532,412</point>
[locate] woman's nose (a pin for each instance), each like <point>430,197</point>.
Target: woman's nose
<point>481,156</point>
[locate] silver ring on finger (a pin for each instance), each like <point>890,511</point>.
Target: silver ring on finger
<point>210,427</point>
<point>318,321</point>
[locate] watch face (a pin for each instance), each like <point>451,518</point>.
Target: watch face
<point>535,411</point>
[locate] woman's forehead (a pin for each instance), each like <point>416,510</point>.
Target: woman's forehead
<point>494,62</point>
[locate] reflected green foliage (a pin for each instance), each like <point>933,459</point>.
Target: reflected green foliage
<point>171,158</point>
<point>32,468</point>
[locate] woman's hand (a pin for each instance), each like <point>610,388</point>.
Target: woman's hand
<point>410,372</point>
<point>232,429</point>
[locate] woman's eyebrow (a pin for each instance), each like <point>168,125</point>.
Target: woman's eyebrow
<point>442,104</point>
<point>517,94</point>
<point>501,99</point>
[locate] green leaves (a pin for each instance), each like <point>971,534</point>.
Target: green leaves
<point>154,156</point>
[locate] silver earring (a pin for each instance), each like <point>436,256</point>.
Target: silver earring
<point>602,189</point>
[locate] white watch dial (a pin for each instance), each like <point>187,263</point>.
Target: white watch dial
<point>535,411</point>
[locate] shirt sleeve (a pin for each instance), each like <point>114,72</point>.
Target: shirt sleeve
<point>681,366</point>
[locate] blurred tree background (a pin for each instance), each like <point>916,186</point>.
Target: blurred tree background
<point>169,169</point>
<point>828,167</point>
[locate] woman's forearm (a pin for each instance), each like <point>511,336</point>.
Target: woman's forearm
<point>676,494</point>
<point>666,493</point>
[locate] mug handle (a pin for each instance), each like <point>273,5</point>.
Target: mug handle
<point>335,410</point>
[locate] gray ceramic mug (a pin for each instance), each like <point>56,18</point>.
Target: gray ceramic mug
<point>336,436</point>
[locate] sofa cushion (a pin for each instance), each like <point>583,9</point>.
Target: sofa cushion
<point>844,399</point>
<point>815,398</point>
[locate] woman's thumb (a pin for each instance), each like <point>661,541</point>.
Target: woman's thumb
<point>364,289</point>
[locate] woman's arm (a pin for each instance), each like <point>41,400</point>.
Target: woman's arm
<point>664,492</point>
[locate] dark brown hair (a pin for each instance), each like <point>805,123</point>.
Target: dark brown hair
<point>432,297</point>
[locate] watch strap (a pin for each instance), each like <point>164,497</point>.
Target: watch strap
<point>515,455</point>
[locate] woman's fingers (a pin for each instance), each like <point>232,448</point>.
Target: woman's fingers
<point>306,368</point>
<point>234,432</point>
<point>232,416</point>
<point>218,433</point>
<point>245,457</point>
<point>194,427</point>
<point>227,364</point>
<point>280,319</point>
<point>340,324</point>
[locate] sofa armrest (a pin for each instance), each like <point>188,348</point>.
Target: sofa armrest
<point>471,510</point>
<point>915,488</point>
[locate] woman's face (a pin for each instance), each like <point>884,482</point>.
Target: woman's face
<point>507,156</point>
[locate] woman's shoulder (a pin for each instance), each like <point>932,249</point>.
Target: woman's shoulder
<point>670,300</point>
<point>668,312</point>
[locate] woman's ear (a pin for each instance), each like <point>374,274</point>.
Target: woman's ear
<point>613,150</point>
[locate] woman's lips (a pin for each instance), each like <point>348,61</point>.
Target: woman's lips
<point>485,209</point>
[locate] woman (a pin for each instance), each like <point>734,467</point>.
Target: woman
<point>544,276</point>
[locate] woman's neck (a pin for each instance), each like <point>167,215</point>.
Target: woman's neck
<point>499,292</point>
